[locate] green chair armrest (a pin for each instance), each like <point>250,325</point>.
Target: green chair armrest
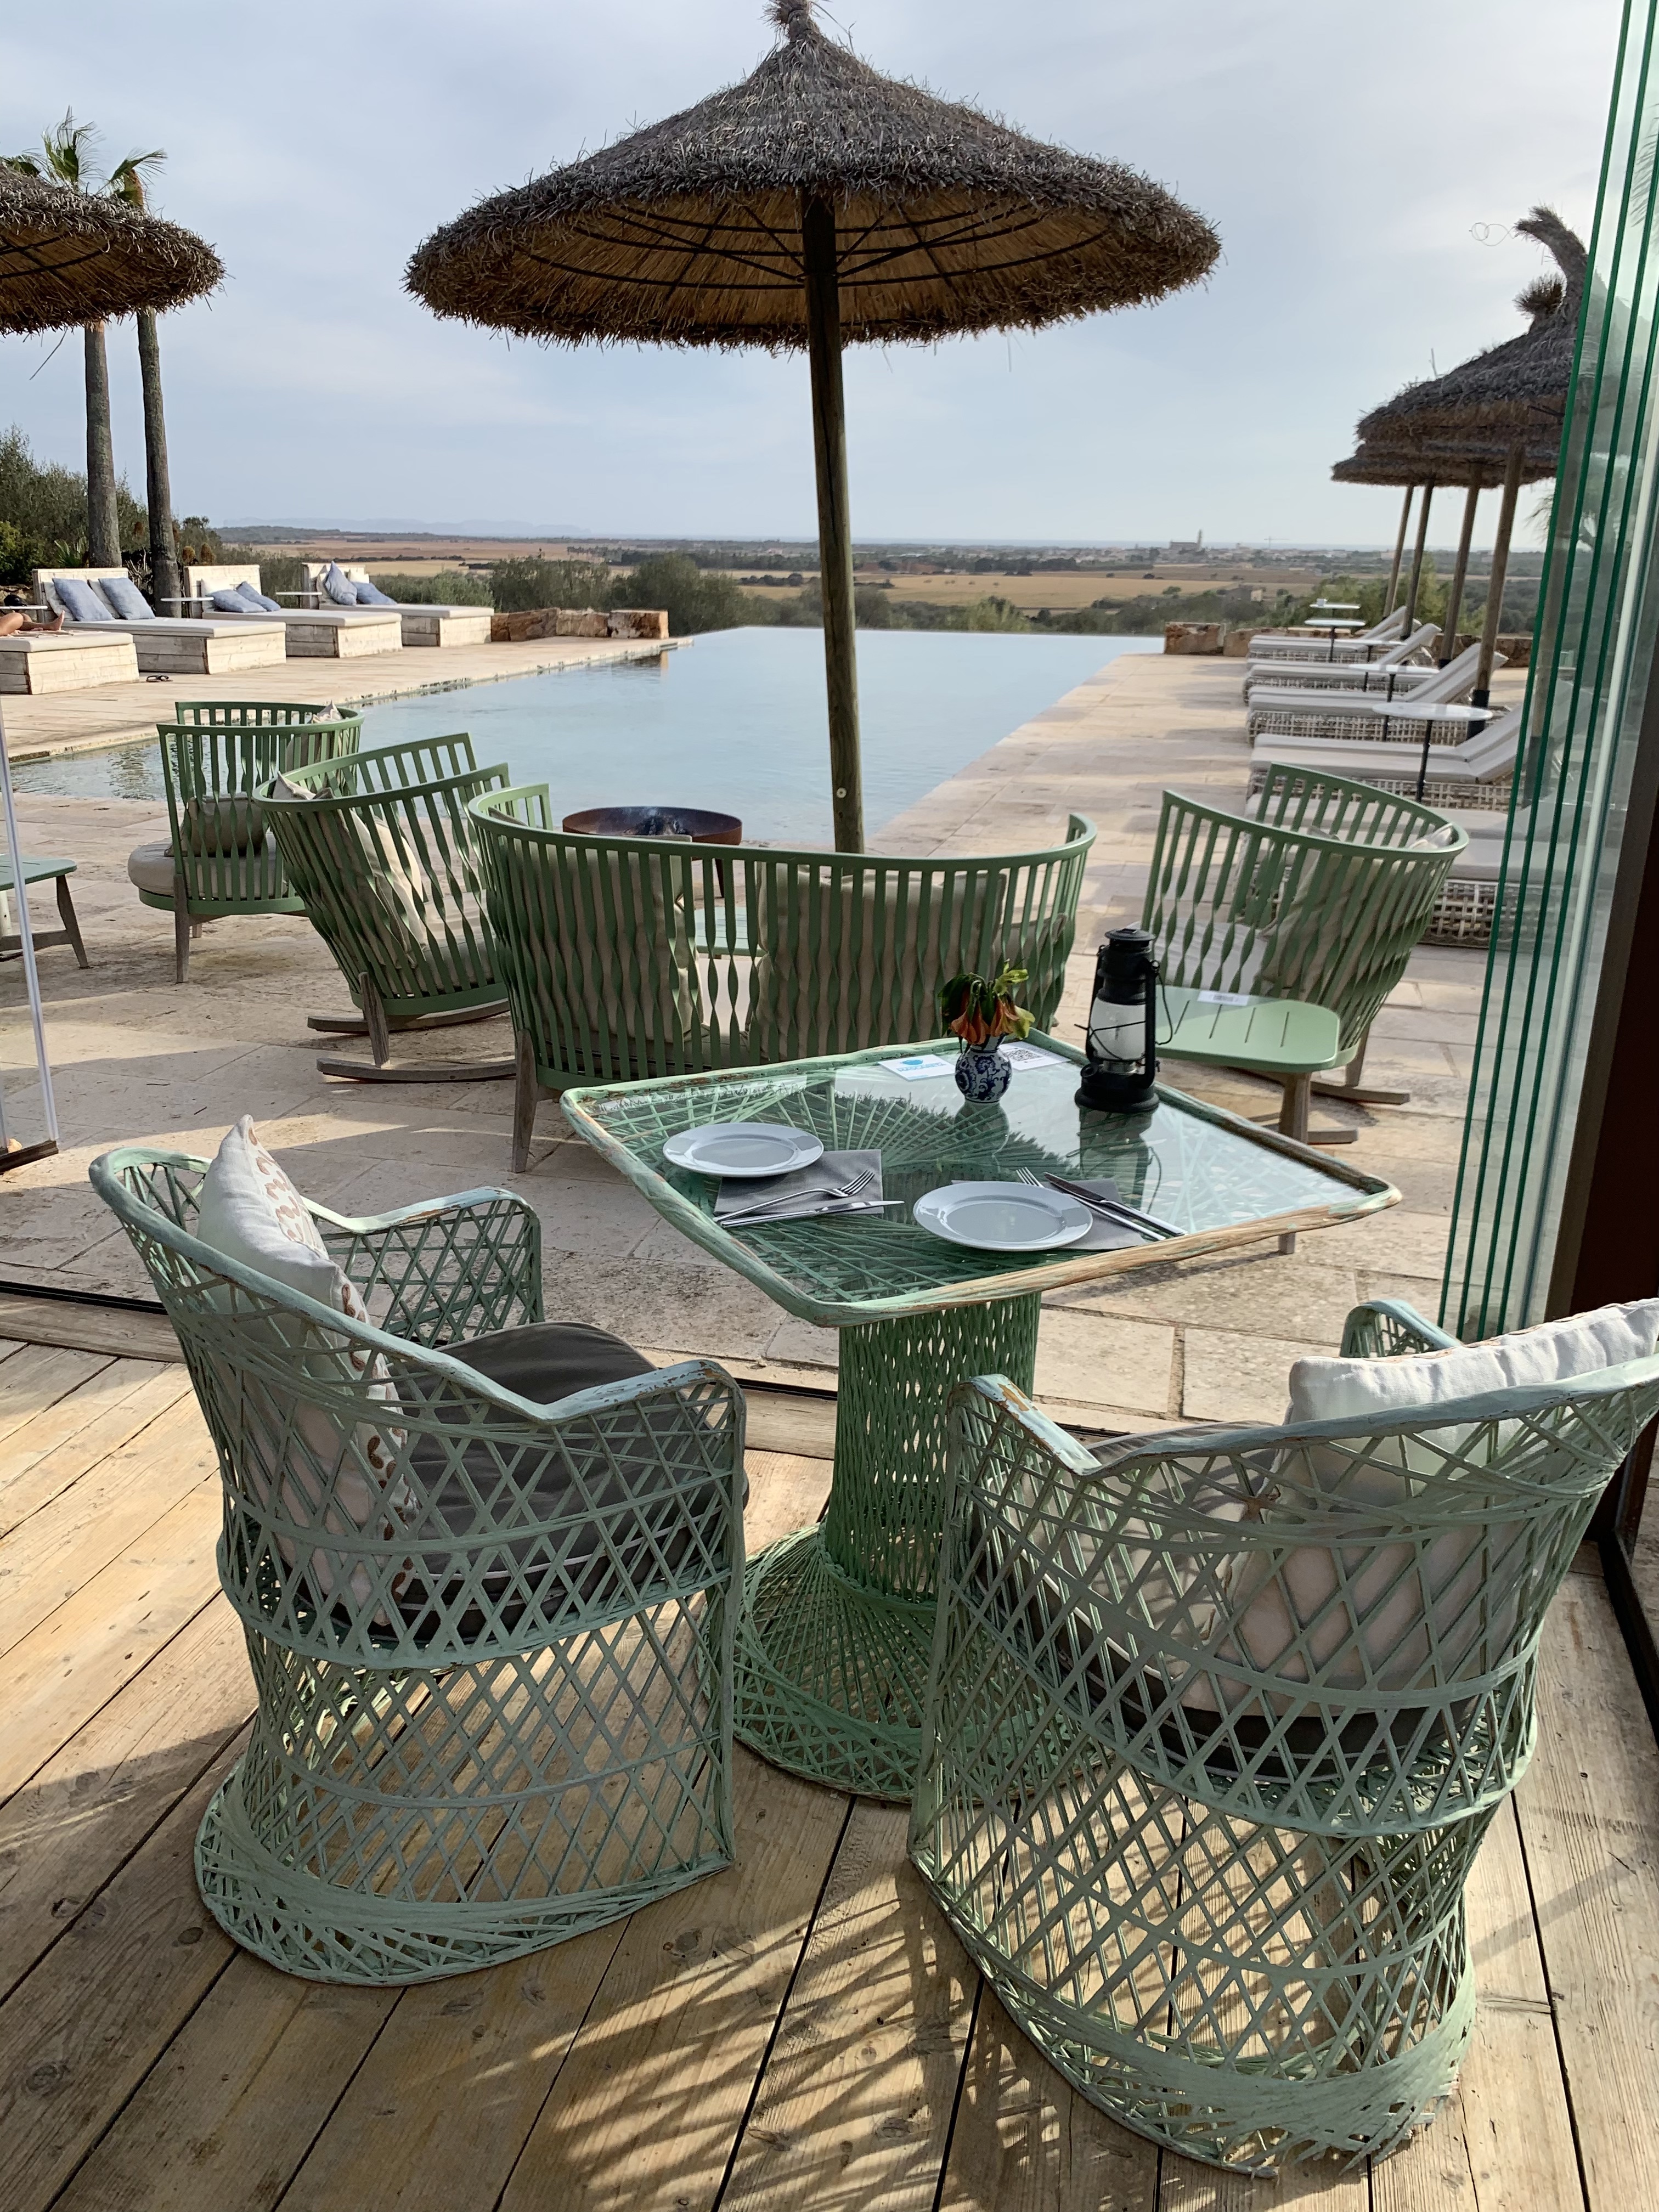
<point>1385,1328</point>
<point>444,1268</point>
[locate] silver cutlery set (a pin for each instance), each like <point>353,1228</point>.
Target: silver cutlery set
<point>848,1198</point>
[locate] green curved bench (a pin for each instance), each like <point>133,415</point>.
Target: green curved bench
<point>632,957</point>
<point>494,1707</point>
<point>381,854</point>
<point>1222,1891</point>
<point>219,858</point>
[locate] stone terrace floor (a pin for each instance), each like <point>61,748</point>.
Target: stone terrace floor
<point>136,1056</point>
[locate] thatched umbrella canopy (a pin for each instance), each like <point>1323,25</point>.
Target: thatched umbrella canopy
<point>1513,396</point>
<point>815,203</point>
<point>68,258</point>
<point>1429,464</point>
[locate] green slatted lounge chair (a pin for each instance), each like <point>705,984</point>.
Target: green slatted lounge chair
<point>633,957</point>
<point>219,858</point>
<point>491,1636</point>
<point>1279,932</point>
<point>1219,1719</point>
<point>380,850</point>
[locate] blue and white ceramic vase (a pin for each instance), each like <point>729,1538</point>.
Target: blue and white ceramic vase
<point>982,1073</point>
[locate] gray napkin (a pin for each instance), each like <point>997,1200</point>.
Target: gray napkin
<point>807,1186</point>
<point>1106,1235</point>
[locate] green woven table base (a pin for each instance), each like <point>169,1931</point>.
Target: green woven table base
<point>837,1627</point>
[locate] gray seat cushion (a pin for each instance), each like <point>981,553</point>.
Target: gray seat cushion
<point>149,867</point>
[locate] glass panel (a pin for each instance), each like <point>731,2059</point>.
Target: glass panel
<point>1587,689</point>
<point>28,1117</point>
<point>1189,1164</point>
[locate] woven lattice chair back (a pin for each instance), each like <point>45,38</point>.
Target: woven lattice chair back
<point>636,956</point>
<point>1217,1724</point>
<point>383,856</point>
<point>1319,895</point>
<point>491,1639</point>
<point>214,762</point>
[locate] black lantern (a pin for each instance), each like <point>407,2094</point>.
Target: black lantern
<point>1122,1076</point>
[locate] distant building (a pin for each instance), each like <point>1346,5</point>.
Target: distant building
<point>1187,548</point>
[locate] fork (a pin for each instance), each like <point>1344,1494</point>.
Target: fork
<point>1122,1216</point>
<point>860,1183</point>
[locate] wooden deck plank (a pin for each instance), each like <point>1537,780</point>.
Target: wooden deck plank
<point>230,2109</point>
<point>1589,1823</point>
<point>643,2113</point>
<point>59,1549</point>
<point>77,1659</point>
<point>83,2030</point>
<point>1025,2142</point>
<point>36,1376</point>
<point>69,1438</point>
<point>1504,2142</point>
<point>785,1491</point>
<point>90,1327</point>
<point>67,1832</point>
<point>857,2097</point>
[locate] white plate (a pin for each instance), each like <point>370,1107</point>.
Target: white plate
<point>742,1149</point>
<point>1003,1217</point>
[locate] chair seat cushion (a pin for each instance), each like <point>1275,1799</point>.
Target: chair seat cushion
<point>547,1361</point>
<point>149,868</point>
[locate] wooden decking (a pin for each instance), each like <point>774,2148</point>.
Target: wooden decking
<point>801,2032</point>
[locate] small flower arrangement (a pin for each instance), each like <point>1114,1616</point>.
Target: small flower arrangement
<point>982,1014</point>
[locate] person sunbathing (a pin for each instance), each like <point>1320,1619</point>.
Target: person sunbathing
<point>11,622</point>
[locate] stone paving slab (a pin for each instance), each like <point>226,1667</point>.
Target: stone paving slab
<point>137,1057</point>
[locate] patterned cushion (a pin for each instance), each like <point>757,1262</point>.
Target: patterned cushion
<point>346,1480</point>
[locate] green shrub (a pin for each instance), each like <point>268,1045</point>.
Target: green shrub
<point>695,600</point>
<point>450,587</point>
<point>515,586</point>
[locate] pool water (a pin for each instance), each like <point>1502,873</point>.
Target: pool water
<point>735,722</point>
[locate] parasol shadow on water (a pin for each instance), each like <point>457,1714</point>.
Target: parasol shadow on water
<point>816,204</point>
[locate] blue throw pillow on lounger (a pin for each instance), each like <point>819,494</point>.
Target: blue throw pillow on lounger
<point>370,595</point>
<point>256,602</point>
<point>79,601</point>
<point>339,586</point>
<point>227,602</point>
<point>128,601</point>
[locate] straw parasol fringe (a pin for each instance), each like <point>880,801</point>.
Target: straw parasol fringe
<point>68,258</point>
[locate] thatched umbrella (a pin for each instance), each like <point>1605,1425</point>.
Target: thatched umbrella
<point>815,204</point>
<point>66,259</point>
<point>1514,395</point>
<point>1430,464</point>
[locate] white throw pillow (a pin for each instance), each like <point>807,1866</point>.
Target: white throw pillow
<point>249,1210</point>
<point>1388,1607</point>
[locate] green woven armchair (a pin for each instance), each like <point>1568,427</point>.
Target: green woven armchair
<point>383,856</point>
<point>632,957</point>
<point>219,858</point>
<point>1215,1870</point>
<point>1279,932</point>
<point>492,1638</point>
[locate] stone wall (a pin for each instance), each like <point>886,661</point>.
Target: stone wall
<point>577,622</point>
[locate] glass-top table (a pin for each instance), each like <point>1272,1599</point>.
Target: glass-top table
<point>834,1644</point>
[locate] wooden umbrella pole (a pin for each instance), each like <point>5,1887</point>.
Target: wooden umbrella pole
<point>1399,551</point>
<point>1459,575</point>
<point>1417,555</point>
<point>1500,565</point>
<point>818,224</point>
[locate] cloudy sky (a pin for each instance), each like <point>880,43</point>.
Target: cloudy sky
<point>1362,166</point>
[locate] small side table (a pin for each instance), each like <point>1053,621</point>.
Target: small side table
<point>56,872</point>
<point>837,1633</point>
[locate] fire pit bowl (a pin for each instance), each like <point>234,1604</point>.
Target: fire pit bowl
<point>701,827</point>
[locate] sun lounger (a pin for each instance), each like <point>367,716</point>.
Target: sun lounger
<point>164,645</point>
<point>1404,661</point>
<point>1475,772</point>
<point>1279,645</point>
<point>1311,713</point>
<point>312,632</point>
<point>36,661</point>
<point>422,625</point>
<point>1468,905</point>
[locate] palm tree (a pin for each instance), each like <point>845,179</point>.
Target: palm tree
<point>127,181</point>
<point>66,160</point>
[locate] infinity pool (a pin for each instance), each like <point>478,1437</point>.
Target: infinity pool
<point>735,722</point>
